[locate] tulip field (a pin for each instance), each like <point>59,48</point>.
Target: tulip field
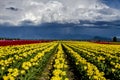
<point>60,60</point>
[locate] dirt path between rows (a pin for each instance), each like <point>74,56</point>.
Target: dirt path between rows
<point>47,72</point>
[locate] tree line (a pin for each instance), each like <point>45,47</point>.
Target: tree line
<point>9,38</point>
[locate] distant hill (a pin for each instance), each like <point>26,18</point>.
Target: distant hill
<point>99,38</point>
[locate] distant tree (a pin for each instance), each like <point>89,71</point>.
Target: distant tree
<point>115,39</point>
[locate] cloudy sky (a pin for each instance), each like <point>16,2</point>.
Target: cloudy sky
<point>56,19</point>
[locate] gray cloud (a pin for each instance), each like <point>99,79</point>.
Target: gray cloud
<point>40,11</point>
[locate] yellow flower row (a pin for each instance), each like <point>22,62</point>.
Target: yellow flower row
<point>21,56</point>
<point>94,50</point>
<point>10,50</point>
<point>13,73</point>
<point>60,65</point>
<point>35,60</point>
<point>90,69</point>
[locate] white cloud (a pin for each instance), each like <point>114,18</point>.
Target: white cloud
<point>88,25</point>
<point>40,11</point>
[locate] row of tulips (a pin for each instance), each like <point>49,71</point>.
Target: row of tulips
<point>105,62</point>
<point>101,62</point>
<point>26,66</point>
<point>18,58</point>
<point>10,51</point>
<point>85,60</point>
<point>60,66</point>
<point>85,69</point>
<point>101,54</point>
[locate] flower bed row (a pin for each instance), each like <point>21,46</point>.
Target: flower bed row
<point>26,65</point>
